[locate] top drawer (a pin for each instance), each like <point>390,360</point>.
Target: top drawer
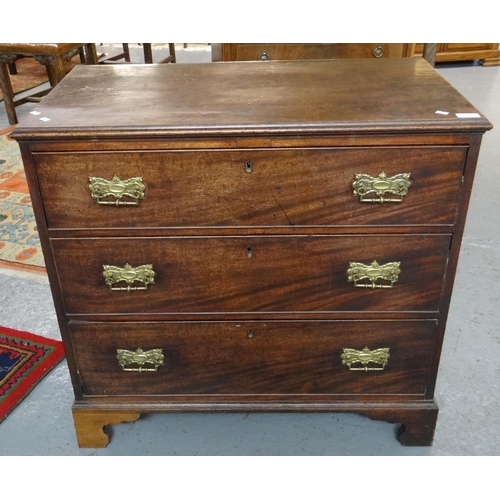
<point>254,187</point>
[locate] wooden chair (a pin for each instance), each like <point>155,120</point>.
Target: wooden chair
<point>122,55</point>
<point>148,55</point>
<point>52,55</point>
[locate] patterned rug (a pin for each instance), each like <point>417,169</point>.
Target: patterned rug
<point>25,359</point>
<point>19,240</point>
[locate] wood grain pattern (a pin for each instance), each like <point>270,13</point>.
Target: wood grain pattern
<point>91,425</point>
<point>280,358</point>
<point>286,187</point>
<point>284,273</point>
<point>265,251</point>
<point>251,99</point>
<point>291,51</point>
<point>487,53</point>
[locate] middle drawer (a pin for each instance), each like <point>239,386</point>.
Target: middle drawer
<point>251,274</point>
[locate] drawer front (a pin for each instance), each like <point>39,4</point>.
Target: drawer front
<point>254,357</point>
<point>463,47</point>
<point>251,274</point>
<point>238,188</point>
<point>294,51</point>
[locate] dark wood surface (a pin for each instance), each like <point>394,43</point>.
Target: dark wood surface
<point>307,127</point>
<point>338,96</point>
<point>288,187</point>
<point>215,275</point>
<point>302,358</point>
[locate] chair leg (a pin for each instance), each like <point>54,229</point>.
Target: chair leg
<point>91,53</point>
<point>171,49</point>
<point>148,53</point>
<point>55,69</point>
<point>126,51</point>
<point>8,93</point>
<point>12,68</point>
<point>81,55</point>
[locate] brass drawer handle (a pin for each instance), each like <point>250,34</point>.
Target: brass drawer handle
<point>364,358</point>
<point>264,56</point>
<point>116,188</point>
<point>129,274</point>
<point>365,185</point>
<point>378,51</point>
<point>139,357</point>
<point>373,272</point>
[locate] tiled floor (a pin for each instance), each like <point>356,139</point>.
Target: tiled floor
<point>469,377</point>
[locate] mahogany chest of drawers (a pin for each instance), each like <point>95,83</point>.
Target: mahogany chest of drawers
<point>253,237</point>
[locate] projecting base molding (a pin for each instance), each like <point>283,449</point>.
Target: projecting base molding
<point>417,419</point>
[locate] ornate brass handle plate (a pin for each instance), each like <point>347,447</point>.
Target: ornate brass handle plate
<point>373,189</point>
<point>140,358</point>
<point>132,188</point>
<point>143,274</point>
<point>373,272</point>
<point>362,360</point>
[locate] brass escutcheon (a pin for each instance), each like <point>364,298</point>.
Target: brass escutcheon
<point>365,185</point>
<point>114,274</point>
<point>373,272</point>
<point>378,51</point>
<point>139,357</point>
<point>116,188</point>
<point>364,358</point>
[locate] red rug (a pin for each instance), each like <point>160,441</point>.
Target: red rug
<point>25,359</point>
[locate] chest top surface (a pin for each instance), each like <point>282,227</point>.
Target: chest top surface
<point>280,97</point>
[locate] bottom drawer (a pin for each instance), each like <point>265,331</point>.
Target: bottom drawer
<point>272,357</point>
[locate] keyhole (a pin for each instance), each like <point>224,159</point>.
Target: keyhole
<point>250,334</point>
<point>248,166</point>
<point>249,252</point>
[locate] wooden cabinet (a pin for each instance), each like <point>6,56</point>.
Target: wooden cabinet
<point>270,237</point>
<point>487,53</point>
<point>290,51</point>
